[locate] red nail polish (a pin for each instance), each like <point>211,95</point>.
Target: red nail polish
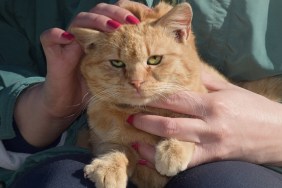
<point>130,119</point>
<point>135,146</point>
<point>67,35</point>
<point>132,19</point>
<point>113,24</point>
<point>142,162</point>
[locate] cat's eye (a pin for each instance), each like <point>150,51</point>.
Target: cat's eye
<point>117,63</point>
<point>154,60</point>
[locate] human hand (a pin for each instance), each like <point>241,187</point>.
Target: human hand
<point>64,86</point>
<point>64,90</point>
<point>54,104</point>
<point>228,123</point>
<point>105,17</point>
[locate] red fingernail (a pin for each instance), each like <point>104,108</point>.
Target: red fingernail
<point>113,24</point>
<point>142,162</point>
<point>135,146</point>
<point>132,19</point>
<point>130,119</point>
<point>67,35</point>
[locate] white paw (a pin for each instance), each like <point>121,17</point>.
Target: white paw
<point>173,156</point>
<point>107,173</point>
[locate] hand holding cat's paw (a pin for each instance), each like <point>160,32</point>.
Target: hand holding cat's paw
<point>173,156</point>
<point>108,171</point>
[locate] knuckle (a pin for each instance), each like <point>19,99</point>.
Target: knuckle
<point>99,6</point>
<point>224,108</point>
<point>81,15</point>
<point>221,133</point>
<point>169,127</point>
<point>173,99</point>
<point>45,34</point>
<point>217,107</point>
<point>42,36</point>
<point>119,2</point>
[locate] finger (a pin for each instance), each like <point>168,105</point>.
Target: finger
<point>116,13</point>
<point>121,3</point>
<point>184,102</point>
<point>62,53</point>
<point>53,40</point>
<point>184,129</point>
<point>55,36</point>
<point>94,21</point>
<point>147,154</point>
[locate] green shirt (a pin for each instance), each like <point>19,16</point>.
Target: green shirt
<point>242,39</point>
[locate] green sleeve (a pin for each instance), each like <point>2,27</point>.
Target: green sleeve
<point>241,38</point>
<point>17,72</point>
<point>22,61</point>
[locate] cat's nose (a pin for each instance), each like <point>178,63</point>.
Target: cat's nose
<point>136,83</point>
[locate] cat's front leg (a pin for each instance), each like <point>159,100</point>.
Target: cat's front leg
<point>173,156</point>
<point>112,167</point>
<point>108,171</point>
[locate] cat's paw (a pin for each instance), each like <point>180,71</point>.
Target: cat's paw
<point>173,156</point>
<point>108,171</point>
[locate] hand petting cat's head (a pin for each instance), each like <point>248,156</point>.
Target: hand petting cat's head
<point>139,63</point>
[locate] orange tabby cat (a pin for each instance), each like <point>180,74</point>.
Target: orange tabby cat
<point>127,69</point>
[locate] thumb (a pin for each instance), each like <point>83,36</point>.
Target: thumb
<point>61,50</point>
<point>56,42</point>
<point>55,36</point>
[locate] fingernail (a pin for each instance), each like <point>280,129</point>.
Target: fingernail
<point>130,119</point>
<point>142,162</point>
<point>113,24</point>
<point>67,35</point>
<point>135,146</point>
<point>132,19</point>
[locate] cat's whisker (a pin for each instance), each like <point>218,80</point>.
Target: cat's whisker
<point>82,108</point>
<point>176,87</point>
<point>105,94</point>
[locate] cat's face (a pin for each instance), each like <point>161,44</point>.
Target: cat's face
<point>135,64</point>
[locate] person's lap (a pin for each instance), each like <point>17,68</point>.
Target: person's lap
<point>227,174</point>
<point>67,171</point>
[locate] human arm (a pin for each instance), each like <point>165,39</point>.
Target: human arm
<point>44,111</point>
<point>54,104</point>
<point>229,123</point>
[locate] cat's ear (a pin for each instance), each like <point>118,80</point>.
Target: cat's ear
<point>178,21</point>
<point>86,37</point>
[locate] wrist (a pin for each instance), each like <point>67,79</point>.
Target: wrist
<point>63,100</point>
<point>37,125</point>
<point>268,147</point>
